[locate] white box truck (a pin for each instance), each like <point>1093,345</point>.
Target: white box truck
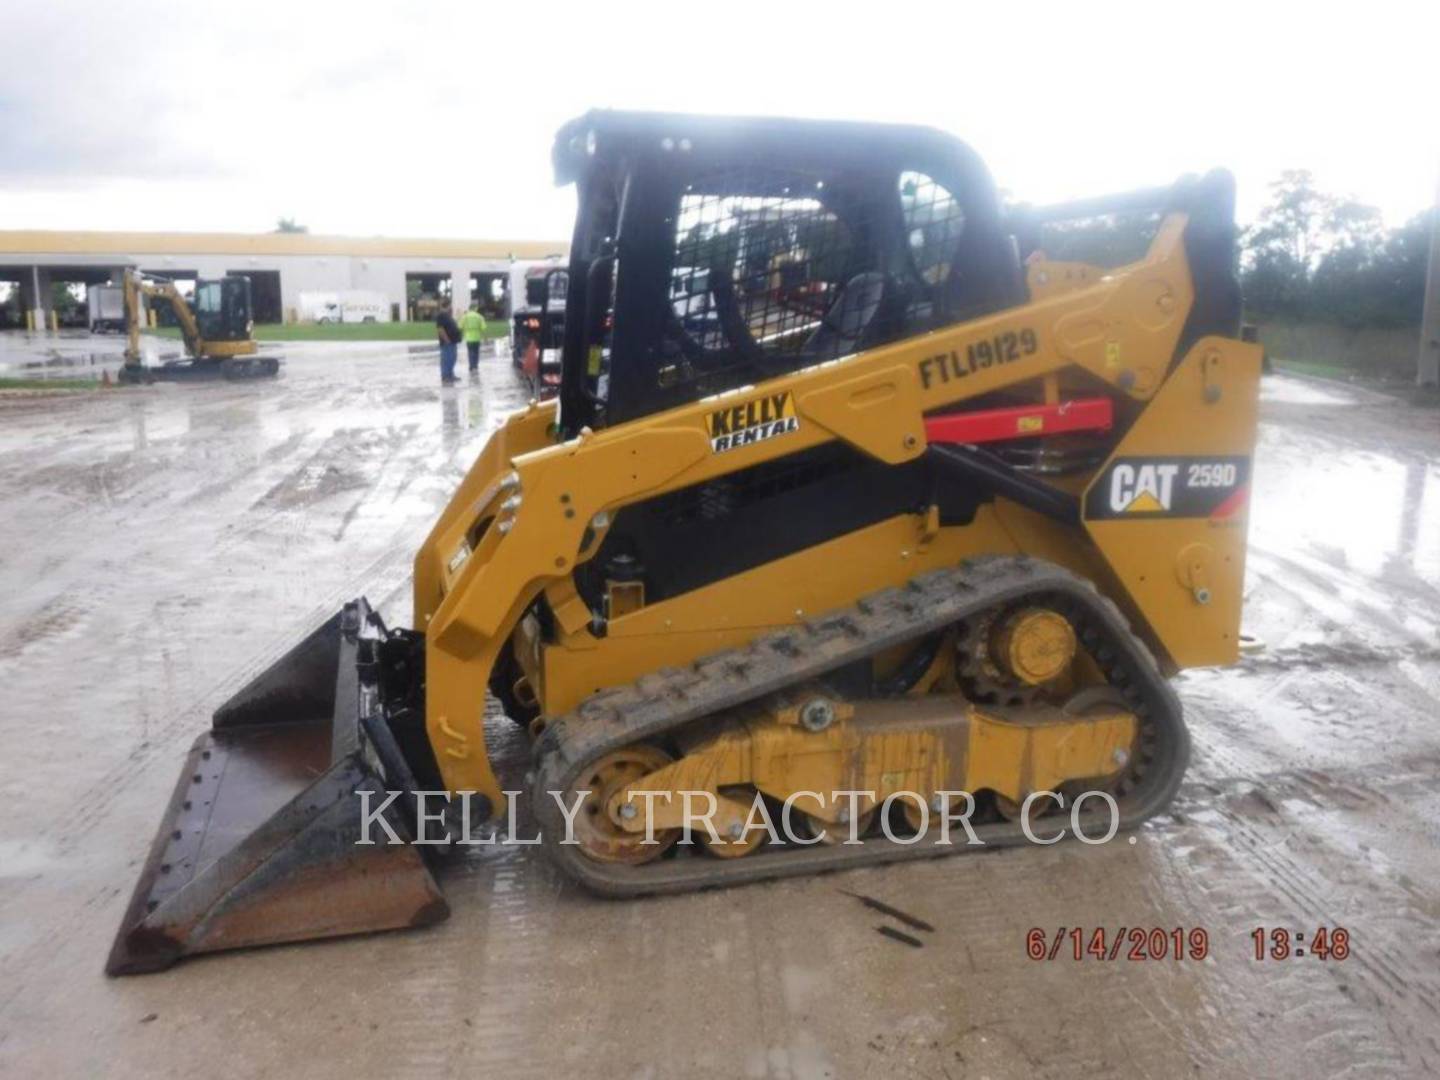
<point>348,306</point>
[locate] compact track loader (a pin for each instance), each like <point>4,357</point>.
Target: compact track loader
<point>854,484</point>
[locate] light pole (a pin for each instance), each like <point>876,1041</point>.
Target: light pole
<point>1428,373</point>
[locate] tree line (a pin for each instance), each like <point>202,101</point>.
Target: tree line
<point>1309,257</point>
<point>1313,257</point>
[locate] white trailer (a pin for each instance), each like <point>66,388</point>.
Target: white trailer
<point>347,306</point>
<point>106,305</point>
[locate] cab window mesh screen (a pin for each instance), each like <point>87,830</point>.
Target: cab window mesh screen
<point>933,223</point>
<point>761,263</point>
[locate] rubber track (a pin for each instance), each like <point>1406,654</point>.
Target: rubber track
<point>662,701</point>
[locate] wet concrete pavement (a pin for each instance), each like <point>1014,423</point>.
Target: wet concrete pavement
<point>158,545</point>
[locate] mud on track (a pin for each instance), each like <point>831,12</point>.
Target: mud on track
<point>160,544</point>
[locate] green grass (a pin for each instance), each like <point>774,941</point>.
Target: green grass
<point>1317,368</point>
<point>8,383</point>
<point>378,331</point>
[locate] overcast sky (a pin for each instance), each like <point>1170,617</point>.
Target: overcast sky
<point>436,119</point>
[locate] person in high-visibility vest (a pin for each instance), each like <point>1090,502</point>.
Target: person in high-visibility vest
<point>472,326</point>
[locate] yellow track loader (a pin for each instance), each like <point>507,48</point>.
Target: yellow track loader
<point>919,525</point>
<point>216,331</point>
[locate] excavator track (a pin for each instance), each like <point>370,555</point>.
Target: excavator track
<point>237,368</point>
<point>662,702</point>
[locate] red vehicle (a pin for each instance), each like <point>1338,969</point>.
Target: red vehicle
<point>538,329</point>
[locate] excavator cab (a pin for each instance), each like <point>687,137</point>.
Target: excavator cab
<point>222,308</point>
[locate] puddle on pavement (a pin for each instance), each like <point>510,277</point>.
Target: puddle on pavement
<point>1373,513</point>
<point>21,859</point>
<point>1296,392</point>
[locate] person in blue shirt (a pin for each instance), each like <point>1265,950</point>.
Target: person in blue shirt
<point>449,336</point>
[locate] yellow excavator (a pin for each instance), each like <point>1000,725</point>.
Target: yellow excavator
<point>922,540</point>
<point>217,331</point>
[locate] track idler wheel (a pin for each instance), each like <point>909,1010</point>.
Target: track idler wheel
<point>603,838</point>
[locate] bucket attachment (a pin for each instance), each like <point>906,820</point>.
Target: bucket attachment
<point>259,842</point>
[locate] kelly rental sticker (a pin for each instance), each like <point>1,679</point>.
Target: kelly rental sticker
<point>752,421</point>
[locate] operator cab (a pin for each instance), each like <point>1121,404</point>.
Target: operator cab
<point>710,253</point>
<point>222,308</point>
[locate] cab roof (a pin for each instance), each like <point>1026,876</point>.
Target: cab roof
<point>605,134</point>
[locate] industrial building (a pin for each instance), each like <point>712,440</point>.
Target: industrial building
<point>411,273</point>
